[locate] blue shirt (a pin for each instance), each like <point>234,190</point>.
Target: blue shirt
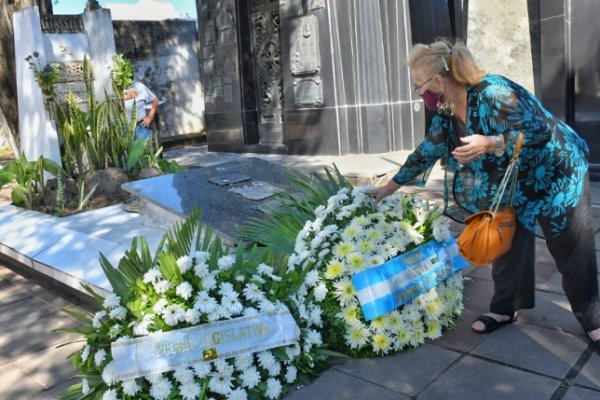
<point>552,162</point>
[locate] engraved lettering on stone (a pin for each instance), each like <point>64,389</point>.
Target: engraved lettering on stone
<point>304,52</point>
<point>290,8</point>
<point>308,92</point>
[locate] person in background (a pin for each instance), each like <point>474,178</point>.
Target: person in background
<point>141,96</point>
<point>479,117</point>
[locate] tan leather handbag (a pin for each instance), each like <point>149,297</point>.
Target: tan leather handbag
<point>488,234</point>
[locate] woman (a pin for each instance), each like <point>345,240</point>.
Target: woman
<point>478,120</point>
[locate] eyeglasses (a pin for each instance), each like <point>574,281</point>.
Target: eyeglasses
<point>416,88</point>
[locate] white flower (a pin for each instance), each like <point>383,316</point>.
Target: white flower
<point>201,256</point>
<point>434,329</point>
<point>357,335</point>
<point>173,314</point>
<point>250,377</point>
<point>160,305</point>
<point>152,275</point>
<point>118,313</point>
<point>85,386</point>
<point>381,343</point>
<point>441,230</point>
<point>232,304</point>
<point>320,292</point>
<point>161,388</point>
<point>140,328</point>
<point>184,263</point>
<point>111,301</point>
<point>201,270</point>
<point>225,263</point>
<point>253,293</point>
<point>291,374</point>
<point>313,338</point>
<point>311,278</point>
<point>183,375</point>
<point>220,382</point>
<point>192,316</point>
<point>99,357</point>
<point>344,291</point>
<point>109,374</point>
<point>202,369</point>
<point>190,390</point>
<point>205,303</point>
<point>266,359</point>
<point>96,323</point>
<point>273,388</point>
<point>227,289</point>
<point>238,394</point>
<point>250,311</point>
<point>243,361</point>
<point>110,394</point>
<point>264,269</point>
<point>130,387</point>
<point>184,290</point>
<point>85,353</point>
<point>161,286</point>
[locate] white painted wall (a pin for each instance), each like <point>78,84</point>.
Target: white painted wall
<point>98,28</point>
<point>38,134</point>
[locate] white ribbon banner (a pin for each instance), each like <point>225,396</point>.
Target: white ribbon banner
<point>166,351</point>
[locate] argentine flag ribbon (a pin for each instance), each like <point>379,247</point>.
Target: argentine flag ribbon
<point>384,288</point>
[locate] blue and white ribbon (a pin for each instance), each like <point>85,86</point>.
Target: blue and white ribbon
<point>384,288</point>
<point>166,351</point>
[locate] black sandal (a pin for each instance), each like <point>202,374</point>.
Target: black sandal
<point>492,324</point>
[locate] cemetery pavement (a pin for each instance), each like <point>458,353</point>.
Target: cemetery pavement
<point>544,355</point>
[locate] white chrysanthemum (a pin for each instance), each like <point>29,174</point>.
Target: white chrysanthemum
<point>379,323</point>
<point>273,388</point>
<point>250,377</point>
<point>356,262</point>
<point>344,291</point>
<point>152,276</point>
<point>118,313</point>
<point>253,293</point>
<point>220,382</point>
<point>320,292</point>
<point>226,262</point>
<point>381,343</point>
<point>243,361</point>
<point>314,318</point>
<point>85,386</point>
<point>192,316</point>
<point>160,305</point>
<point>266,306</point>
<point>161,388</point>
<point>205,303</point>
<point>232,304</point>
<point>250,312</point>
<point>184,290</point>
<point>441,230</point>
<point>201,256</point>
<point>393,321</point>
<point>334,269</point>
<point>434,329</point>
<point>184,263</point>
<point>96,321</point>
<point>238,394</point>
<point>130,387</point>
<point>202,369</point>
<point>209,282</point>
<point>173,314</point>
<point>357,335</point>
<point>365,246</point>
<point>343,249</point>
<point>201,270</point>
<point>85,353</point>
<point>266,359</point>
<point>190,390</point>
<point>140,328</point>
<point>349,314</point>
<point>183,375</point>
<point>291,374</point>
<point>110,394</point>
<point>162,286</point>
<point>109,374</point>
<point>350,233</point>
<point>99,357</point>
<point>313,338</point>
<point>111,301</point>
<point>418,334</point>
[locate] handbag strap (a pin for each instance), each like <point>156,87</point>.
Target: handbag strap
<point>510,177</point>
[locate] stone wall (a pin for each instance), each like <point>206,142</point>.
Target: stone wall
<point>165,58</point>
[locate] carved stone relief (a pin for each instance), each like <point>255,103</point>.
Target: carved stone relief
<point>308,92</point>
<point>305,56</point>
<point>316,4</point>
<point>290,8</point>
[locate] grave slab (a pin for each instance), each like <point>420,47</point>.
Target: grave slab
<point>228,194</point>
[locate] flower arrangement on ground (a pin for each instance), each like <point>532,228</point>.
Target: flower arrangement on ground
<point>192,281</point>
<point>349,234</point>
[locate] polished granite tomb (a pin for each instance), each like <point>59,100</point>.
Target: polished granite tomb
<point>227,194</point>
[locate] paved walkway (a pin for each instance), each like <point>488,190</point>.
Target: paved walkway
<point>544,355</point>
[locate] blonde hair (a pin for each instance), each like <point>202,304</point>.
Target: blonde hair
<point>447,59</point>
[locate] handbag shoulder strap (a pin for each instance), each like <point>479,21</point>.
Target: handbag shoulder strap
<point>518,147</point>
<point>510,177</point>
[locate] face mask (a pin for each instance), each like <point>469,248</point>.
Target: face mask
<point>430,99</point>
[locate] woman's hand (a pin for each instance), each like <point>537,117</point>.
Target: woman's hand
<point>381,192</point>
<point>473,147</point>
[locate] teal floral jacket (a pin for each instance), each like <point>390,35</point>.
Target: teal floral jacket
<point>552,163</point>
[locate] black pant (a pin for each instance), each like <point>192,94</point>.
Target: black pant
<point>575,256</point>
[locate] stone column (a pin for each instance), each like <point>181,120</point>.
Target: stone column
<point>99,31</point>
